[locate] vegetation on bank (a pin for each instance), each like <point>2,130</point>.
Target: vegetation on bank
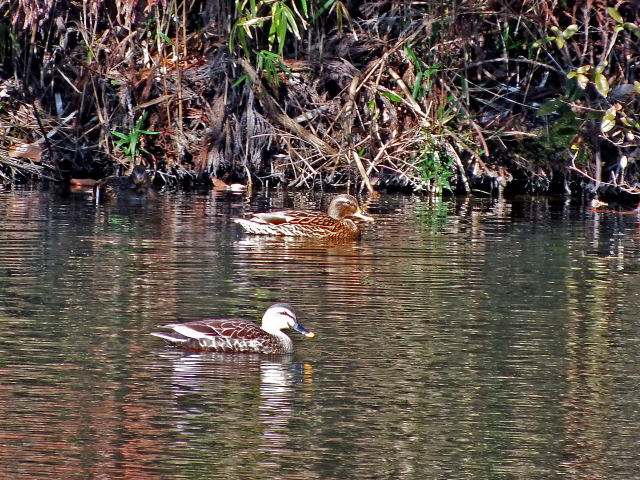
<point>423,96</point>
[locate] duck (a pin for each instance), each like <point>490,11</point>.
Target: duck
<point>136,184</point>
<point>336,224</point>
<point>241,336</point>
<point>219,185</point>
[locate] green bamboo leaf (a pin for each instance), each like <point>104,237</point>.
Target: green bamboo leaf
<point>417,87</point>
<point>411,54</point>
<point>291,21</point>
<point>602,84</point>
<point>164,37</point>
<point>560,42</point>
<point>323,8</point>
<point>251,22</point>
<point>615,14</point>
<point>636,85</point>
<point>272,33</point>
<point>282,35</point>
<point>242,78</point>
<point>120,135</point>
<point>392,96</point>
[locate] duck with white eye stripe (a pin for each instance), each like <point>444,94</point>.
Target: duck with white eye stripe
<point>243,336</point>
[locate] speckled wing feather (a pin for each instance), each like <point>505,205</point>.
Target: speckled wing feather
<point>223,335</point>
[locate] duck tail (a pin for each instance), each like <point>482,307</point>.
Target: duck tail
<point>171,338</point>
<point>251,226</point>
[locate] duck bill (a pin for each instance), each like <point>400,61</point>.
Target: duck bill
<point>362,216</point>
<point>300,329</point>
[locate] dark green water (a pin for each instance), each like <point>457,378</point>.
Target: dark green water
<point>471,339</point>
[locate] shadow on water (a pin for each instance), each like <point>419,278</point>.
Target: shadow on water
<point>470,338</point>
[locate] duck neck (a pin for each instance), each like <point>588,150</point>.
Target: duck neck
<point>285,341</point>
<point>334,212</point>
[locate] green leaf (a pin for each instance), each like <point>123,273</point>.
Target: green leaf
<point>291,21</point>
<point>120,135</point>
<point>636,85</point>
<point>560,42</point>
<point>543,41</point>
<point>417,87</point>
<point>242,78</point>
<point>608,120</point>
<point>582,80</point>
<point>412,55</point>
<point>601,66</point>
<point>570,31</point>
<point>615,14</point>
<point>633,28</point>
<point>547,108</point>
<point>594,115</point>
<point>164,37</point>
<point>392,96</point>
<point>602,84</point>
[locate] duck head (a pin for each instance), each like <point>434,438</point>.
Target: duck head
<point>280,316</point>
<point>139,175</point>
<point>344,206</point>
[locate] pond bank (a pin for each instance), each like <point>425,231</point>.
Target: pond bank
<point>383,96</point>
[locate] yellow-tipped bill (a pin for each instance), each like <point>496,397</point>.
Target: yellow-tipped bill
<point>362,216</point>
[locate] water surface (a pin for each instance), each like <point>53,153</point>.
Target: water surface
<point>469,338</point>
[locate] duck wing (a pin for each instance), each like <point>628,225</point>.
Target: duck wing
<point>217,327</point>
<point>296,217</point>
<point>219,335</point>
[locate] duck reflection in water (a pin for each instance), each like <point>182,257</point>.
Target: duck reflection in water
<point>219,390</point>
<point>137,184</point>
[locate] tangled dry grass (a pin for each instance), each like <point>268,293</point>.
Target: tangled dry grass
<point>415,96</point>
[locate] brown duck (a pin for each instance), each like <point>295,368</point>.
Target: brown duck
<point>336,224</point>
<point>137,184</point>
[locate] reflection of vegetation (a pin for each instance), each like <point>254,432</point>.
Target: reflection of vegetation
<point>434,214</point>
